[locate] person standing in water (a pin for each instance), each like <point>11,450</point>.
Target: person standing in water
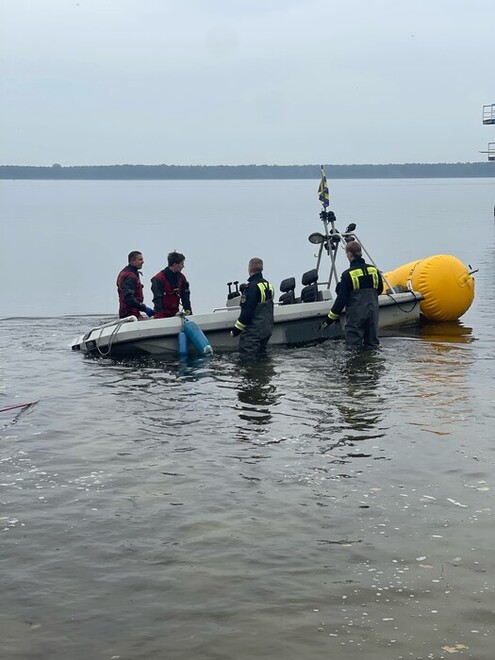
<point>357,292</point>
<point>255,322</point>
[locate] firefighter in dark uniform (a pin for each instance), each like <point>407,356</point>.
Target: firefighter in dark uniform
<point>170,288</point>
<point>358,291</point>
<point>255,322</point>
<point>130,289</point>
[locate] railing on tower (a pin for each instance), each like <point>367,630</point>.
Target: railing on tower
<point>489,118</point>
<point>489,114</point>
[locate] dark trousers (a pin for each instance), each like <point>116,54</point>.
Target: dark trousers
<point>361,319</point>
<point>251,344</point>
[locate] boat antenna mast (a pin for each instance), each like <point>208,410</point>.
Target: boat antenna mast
<point>331,235</point>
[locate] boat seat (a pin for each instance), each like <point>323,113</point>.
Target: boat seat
<point>287,298</point>
<point>287,287</point>
<point>309,277</point>
<point>309,292</point>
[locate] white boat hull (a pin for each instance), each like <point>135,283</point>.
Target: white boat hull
<point>295,324</point>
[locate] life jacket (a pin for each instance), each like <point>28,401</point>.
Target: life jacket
<point>171,296</point>
<point>126,309</point>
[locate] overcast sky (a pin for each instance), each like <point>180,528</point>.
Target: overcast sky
<point>245,81</point>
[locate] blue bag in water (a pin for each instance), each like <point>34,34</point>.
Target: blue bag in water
<point>197,337</point>
<point>182,343</point>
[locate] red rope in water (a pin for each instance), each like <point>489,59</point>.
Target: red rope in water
<point>19,405</point>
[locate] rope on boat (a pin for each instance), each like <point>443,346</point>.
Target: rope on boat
<point>401,305</point>
<point>111,339</point>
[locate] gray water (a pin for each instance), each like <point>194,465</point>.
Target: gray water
<point>318,504</point>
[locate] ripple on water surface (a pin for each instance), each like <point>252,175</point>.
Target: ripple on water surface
<point>317,503</point>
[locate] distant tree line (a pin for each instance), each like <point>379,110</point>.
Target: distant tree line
<point>391,171</point>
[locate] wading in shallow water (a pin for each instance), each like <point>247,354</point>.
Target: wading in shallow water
<point>255,322</point>
<point>357,292</point>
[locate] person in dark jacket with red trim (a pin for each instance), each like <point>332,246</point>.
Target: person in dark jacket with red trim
<point>170,288</point>
<point>130,289</point>
<point>357,292</point>
<point>255,322</point>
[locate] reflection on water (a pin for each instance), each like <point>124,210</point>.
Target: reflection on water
<point>256,391</point>
<point>447,331</point>
<point>354,401</point>
<point>439,379</point>
<point>362,405</point>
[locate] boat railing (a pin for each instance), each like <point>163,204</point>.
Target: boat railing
<point>119,322</point>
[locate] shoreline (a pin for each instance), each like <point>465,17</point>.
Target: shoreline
<point>247,172</point>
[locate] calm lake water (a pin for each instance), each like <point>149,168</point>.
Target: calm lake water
<point>316,505</point>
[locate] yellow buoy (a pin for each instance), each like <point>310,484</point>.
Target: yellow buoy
<point>443,280</point>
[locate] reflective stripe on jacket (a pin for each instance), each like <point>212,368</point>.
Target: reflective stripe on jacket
<point>257,304</point>
<point>358,276</point>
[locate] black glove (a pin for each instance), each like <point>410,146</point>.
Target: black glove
<point>235,331</point>
<point>326,323</point>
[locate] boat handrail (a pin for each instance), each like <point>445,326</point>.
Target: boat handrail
<point>127,319</point>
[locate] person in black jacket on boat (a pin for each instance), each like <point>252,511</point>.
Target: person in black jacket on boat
<point>357,291</point>
<point>255,322</point>
<point>130,289</point>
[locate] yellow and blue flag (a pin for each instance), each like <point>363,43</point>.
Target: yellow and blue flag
<point>323,194</point>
